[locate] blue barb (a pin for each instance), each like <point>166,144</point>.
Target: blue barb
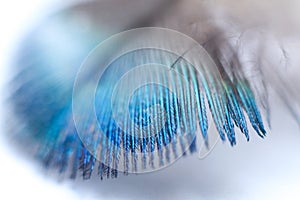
<point>158,123</point>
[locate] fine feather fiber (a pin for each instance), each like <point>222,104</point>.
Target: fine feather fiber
<point>247,42</point>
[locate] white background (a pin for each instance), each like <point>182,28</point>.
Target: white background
<point>261,169</point>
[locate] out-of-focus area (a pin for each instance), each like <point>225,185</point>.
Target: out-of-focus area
<point>259,169</point>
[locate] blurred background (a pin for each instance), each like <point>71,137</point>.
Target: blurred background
<point>259,169</point>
